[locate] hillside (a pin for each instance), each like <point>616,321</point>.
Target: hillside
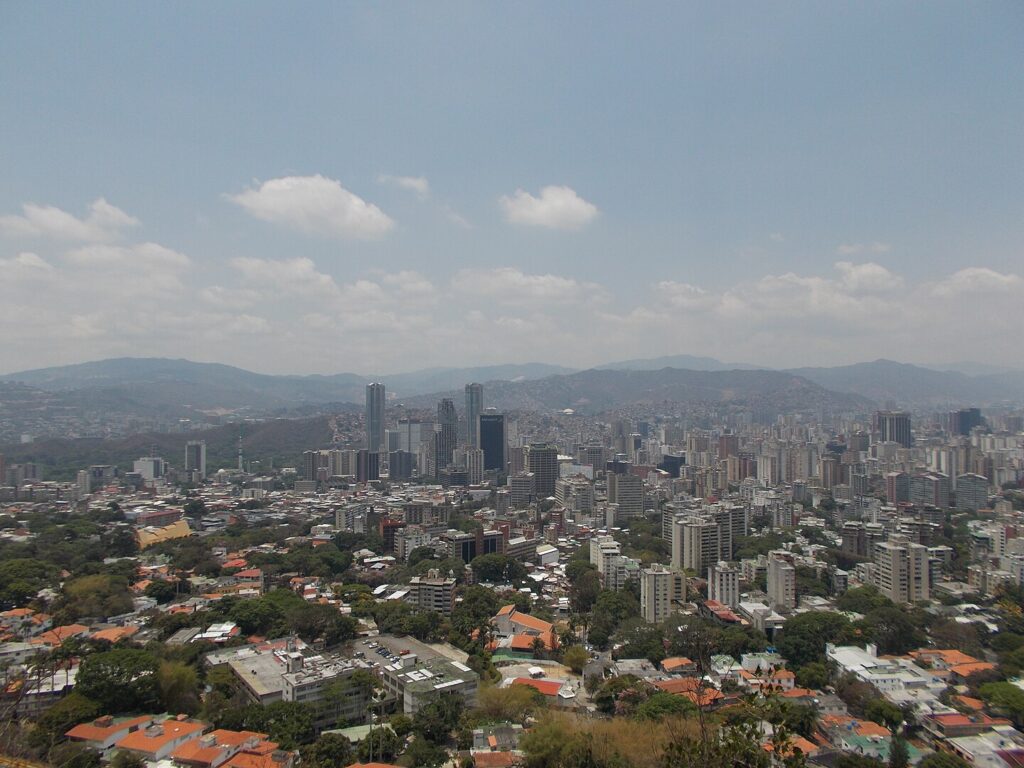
<point>279,440</point>
<point>911,385</point>
<point>599,390</point>
<point>183,384</point>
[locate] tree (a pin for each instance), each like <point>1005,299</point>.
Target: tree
<point>862,600</point>
<point>62,716</point>
<point>892,630</point>
<point>899,755</point>
<point>813,675</point>
<point>584,592</point>
<point>660,705</point>
<point>123,759</point>
<point>1005,697</point>
<point>179,687</point>
<point>497,568</point>
<point>515,703</point>
<point>330,750</point>
<point>120,680</point>
<point>575,658</point>
<point>436,721</point>
<point>289,723</point>
<point>99,595</point>
<point>402,724</point>
<point>423,752</point>
<point>161,591</point>
<point>884,712</point>
<point>805,636</point>
<point>380,746</point>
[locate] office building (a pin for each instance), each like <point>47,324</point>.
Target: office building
<point>400,465</point>
<point>446,438</point>
<point>474,466</point>
<point>962,421</point>
<point>662,591</point>
<point>375,396</point>
<point>627,491</point>
<point>195,458</point>
<point>492,441</point>
<point>542,462</point>
<point>367,466</point>
<point>893,427</point>
<point>474,408</point>
<point>724,583</point>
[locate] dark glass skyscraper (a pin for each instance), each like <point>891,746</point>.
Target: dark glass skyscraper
<point>492,440</point>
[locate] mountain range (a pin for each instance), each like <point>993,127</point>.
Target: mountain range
<point>185,389</point>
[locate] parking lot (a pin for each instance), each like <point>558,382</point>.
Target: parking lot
<point>388,649</point>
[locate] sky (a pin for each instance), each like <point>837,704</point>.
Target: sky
<point>382,187</point>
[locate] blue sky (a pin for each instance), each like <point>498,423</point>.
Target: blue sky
<point>784,183</point>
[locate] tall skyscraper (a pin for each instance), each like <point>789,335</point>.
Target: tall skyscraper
<point>492,441</point>
<point>474,407</point>
<point>375,417</point>
<point>447,436</point>
<point>195,458</point>
<point>542,461</point>
<point>893,427</point>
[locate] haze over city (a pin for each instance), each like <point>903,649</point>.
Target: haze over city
<point>384,188</point>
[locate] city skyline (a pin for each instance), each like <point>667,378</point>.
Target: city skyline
<point>784,186</point>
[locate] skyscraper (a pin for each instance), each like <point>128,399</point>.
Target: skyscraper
<point>195,458</point>
<point>474,407</point>
<point>542,461</point>
<point>492,441</point>
<point>447,436</point>
<point>893,427</point>
<point>375,417</point>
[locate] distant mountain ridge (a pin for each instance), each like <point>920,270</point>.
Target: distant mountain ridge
<point>179,388</point>
<point>911,385</point>
<point>597,390</point>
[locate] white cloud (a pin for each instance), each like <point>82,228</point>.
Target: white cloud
<point>976,280</point>
<point>556,208</point>
<point>105,222</point>
<point>868,276</point>
<point>25,264</point>
<point>852,249</point>
<point>314,205</point>
<point>417,184</point>
<point>293,276</point>
<point>512,286</point>
<point>143,258</point>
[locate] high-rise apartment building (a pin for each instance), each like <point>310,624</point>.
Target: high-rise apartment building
<point>492,441</point>
<point>542,461</point>
<point>661,592</point>
<point>375,396</point>
<point>781,580</point>
<point>893,427</point>
<point>902,570</point>
<point>474,408</point>
<point>195,458</point>
<point>971,492</point>
<point>695,543</point>
<point>724,583</point>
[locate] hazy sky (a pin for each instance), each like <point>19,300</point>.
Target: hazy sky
<point>380,187</point>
